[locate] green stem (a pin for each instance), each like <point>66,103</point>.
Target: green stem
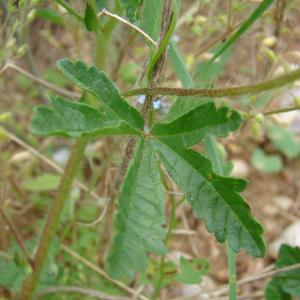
<point>281,110</point>
<point>272,112</point>
<point>172,224</point>
<point>31,281</point>
<point>231,257</point>
<point>70,9</point>
<point>219,92</point>
<point>53,219</point>
<point>164,43</point>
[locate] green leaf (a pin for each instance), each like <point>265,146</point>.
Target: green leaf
<point>289,281</point>
<point>266,163</point>
<point>49,15</point>
<point>273,291</point>
<point>131,8</point>
<point>97,83</point>
<point>151,17</point>
<point>43,183</point>
<point>264,5</point>
<point>183,105</point>
<point>209,70</point>
<point>75,119</point>
<point>140,217</point>
<point>70,10</point>
<point>214,198</point>
<point>204,119</point>
<point>11,276</point>
<point>192,271</point>
<point>90,18</point>
<point>284,140</point>
<point>217,155</point>
<point>100,4</point>
<point>179,66</point>
<point>285,285</point>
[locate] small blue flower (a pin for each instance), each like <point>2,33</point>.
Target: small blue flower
<point>176,38</point>
<point>156,104</point>
<point>141,99</point>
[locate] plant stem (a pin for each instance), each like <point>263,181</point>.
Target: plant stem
<point>172,224</point>
<point>154,76</point>
<point>281,110</point>
<point>70,9</point>
<point>66,182</point>
<point>231,257</point>
<point>53,219</point>
<point>219,92</point>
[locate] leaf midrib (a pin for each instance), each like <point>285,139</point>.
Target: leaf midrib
<point>215,191</point>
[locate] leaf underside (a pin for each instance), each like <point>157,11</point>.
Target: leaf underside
<point>97,83</point>
<point>74,119</point>
<point>140,217</point>
<point>213,198</point>
<point>190,128</point>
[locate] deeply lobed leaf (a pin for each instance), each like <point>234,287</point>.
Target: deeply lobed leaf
<point>74,119</point>
<point>190,128</point>
<point>214,198</point>
<point>140,217</point>
<point>97,83</point>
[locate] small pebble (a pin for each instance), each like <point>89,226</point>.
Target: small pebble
<point>240,168</point>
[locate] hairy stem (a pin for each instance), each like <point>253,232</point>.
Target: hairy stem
<point>218,92</point>
<point>66,182</point>
<point>53,219</point>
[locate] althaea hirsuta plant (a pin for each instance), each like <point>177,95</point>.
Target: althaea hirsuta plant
<point>140,219</point>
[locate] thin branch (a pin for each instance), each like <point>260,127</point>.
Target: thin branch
<point>17,236</point>
<point>218,92</point>
<point>187,232</point>
<point>260,276</point>
<point>229,16</point>
<point>243,297</point>
<point>99,271</point>
<point>40,81</point>
<point>48,233</point>
<point>5,255</point>
<point>99,219</point>
<point>281,110</point>
<point>47,161</point>
<point>79,290</point>
<point>117,17</point>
